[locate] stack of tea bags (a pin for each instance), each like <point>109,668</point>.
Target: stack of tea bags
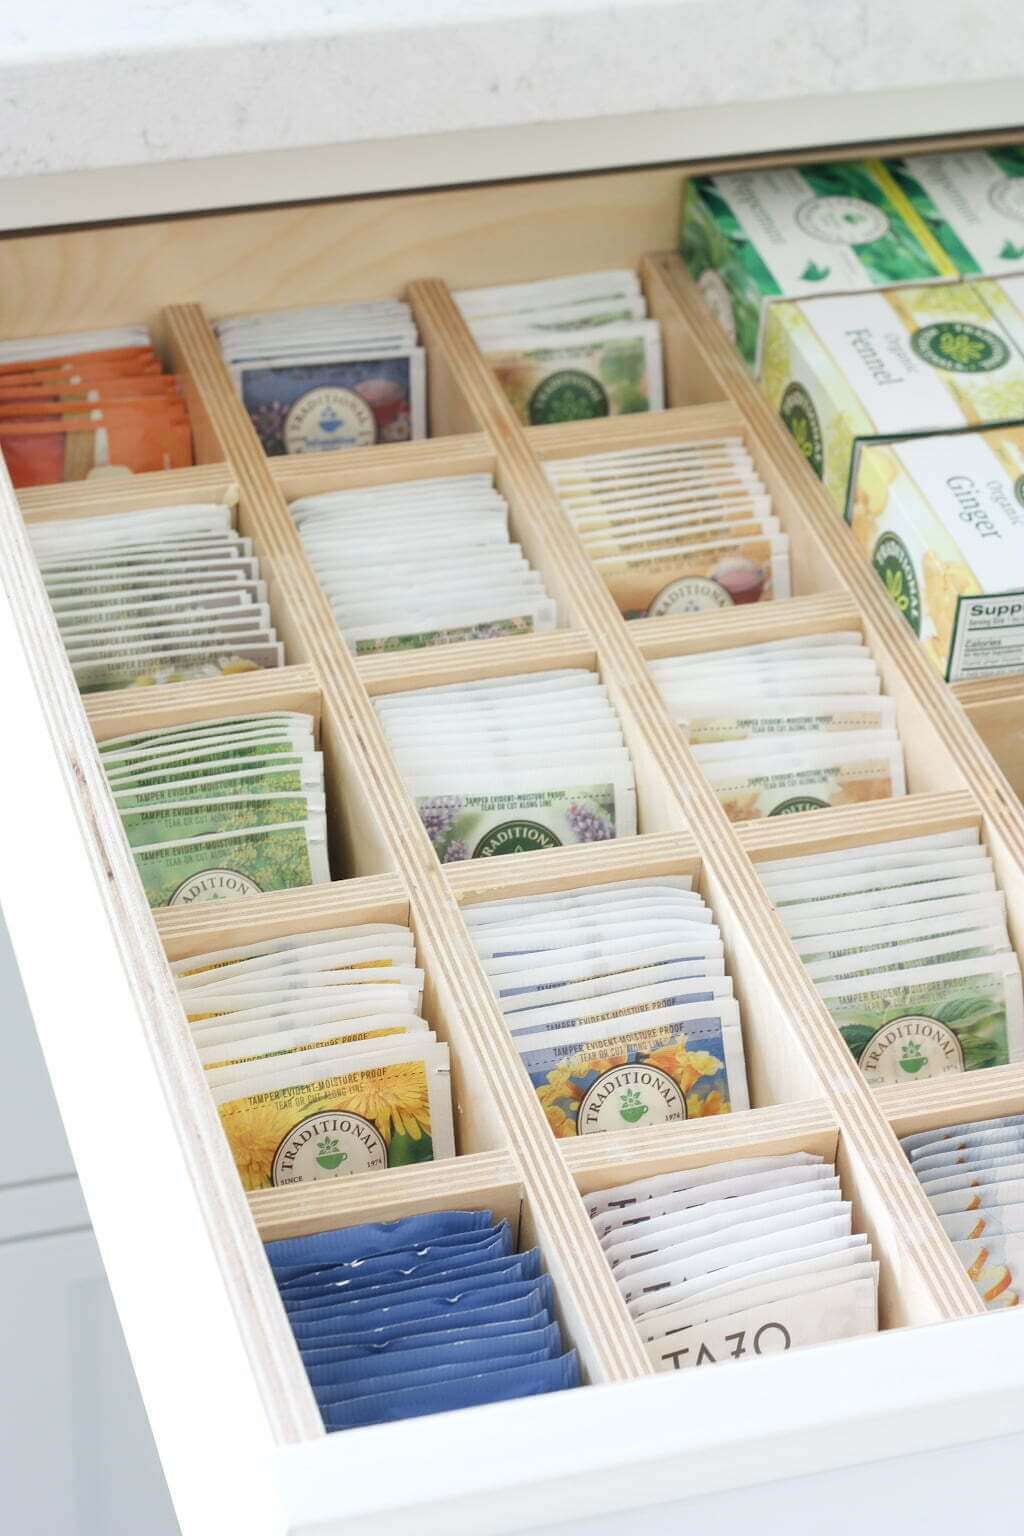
<point>789,725</point>
<point>88,403</point>
<point>219,809</point>
<point>973,1175</point>
<point>513,764</point>
<point>906,941</point>
<point>676,529</point>
<point>166,595</point>
<point>617,999</point>
<point>328,376</point>
<point>569,348</point>
<point>398,1319</point>
<point>737,1260</point>
<point>317,1054</point>
<point>422,562</point>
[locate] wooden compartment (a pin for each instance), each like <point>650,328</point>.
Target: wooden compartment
<point>248,1451</point>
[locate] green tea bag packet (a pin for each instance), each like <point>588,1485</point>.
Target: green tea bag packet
<point>233,864</point>
<point>933,1020</point>
<point>971,911</point>
<point>971,944</point>
<point>173,820</point>
<point>966,864</point>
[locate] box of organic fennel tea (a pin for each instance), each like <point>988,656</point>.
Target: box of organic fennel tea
<point>753,238</point>
<point>973,204</point>
<point>942,520</point>
<point>902,361</point>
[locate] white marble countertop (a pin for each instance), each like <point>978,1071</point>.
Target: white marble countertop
<point>109,109</point>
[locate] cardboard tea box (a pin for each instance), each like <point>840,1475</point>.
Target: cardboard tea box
<point>753,238</point>
<point>972,202</point>
<point>942,520</point>
<point>902,361</point>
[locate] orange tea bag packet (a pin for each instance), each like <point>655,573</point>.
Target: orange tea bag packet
<point>138,441</point>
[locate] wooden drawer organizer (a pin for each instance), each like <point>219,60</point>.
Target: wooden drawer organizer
<point>805,1089</point>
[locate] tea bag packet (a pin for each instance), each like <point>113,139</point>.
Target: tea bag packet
<point>169,594</point>
<point>416,1316</point>
<point>328,376</point>
<point>616,1034</point>
<point>973,1177</point>
<point>738,1260</point>
<point>513,764</point>
<point>420,563</point>
<point>907,943</point>
<point>678,528</point>
<point>316,1052</point>
<point>88,403</point>
<point>568,349</point>
<point>793,725</point>
<point>225,809</point>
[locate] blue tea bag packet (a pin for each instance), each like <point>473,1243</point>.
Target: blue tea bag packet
<point>531,1306</point>
<point>429,1308</point>
<point>468,1392</point>
<point>517,1266</point>
<point>544,1341</point>
<point>457,1243</point>
<point>400,1379</point>
<point>348,1279</point>
<point>347,1243</point>
<point>481,1333</point>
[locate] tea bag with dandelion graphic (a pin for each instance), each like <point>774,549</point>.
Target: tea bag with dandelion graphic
<point>330,376</point>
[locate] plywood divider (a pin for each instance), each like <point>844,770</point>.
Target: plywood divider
<point>686,800</point>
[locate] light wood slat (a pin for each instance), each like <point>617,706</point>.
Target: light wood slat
<point>122,711</point>
<point>675,633</point>
<point>435,666</point>
<point>955,1099</point>
<point>306,909</point>
<point>574,1261</point>
<point>995,707</point>
<point>930,1268</point>
<point>88,498</point>
<point>853,825</point>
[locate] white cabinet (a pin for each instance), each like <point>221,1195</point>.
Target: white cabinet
<point>32,1141</point>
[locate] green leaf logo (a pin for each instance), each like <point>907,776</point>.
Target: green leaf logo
<point>957,346</point>
<point>812,273</point>
<point>911,1057</point>
<point>632,1107</point>
<point>892,561</point>
<point>329,1153</point>
<point>1011,252</point>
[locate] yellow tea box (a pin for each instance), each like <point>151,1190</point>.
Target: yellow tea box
<point>973,204</point>
<point>753,238</point>
<point>904,361</point>
<point>942,520</point>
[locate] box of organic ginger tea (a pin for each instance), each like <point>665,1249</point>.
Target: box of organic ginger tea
<point>847,369</point>
<point>941,518</point>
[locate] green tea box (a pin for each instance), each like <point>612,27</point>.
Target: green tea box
<point>942,521</point>
<point>903,361</point>
<point>752,238</point>
<point>973,203</point>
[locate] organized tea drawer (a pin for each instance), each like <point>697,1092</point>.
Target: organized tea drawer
<point>242,1440</point>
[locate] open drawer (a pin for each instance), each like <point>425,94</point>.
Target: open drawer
<point>237,1427</point>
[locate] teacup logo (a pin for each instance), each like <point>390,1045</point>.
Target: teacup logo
<point>912,1058</point>
<point>913,1046</point>
<point>329,1145</point>
<point>958,346</point>
<point>329,417</point>
<point>568,395</point>
<point>690,594</point>
<point>892,561</point>
<point>630,1095</point>
<point>797,803</point>
<point>842,220</point>
<point>329,1154</point>
<point>798,411</point>
<point>632,1107</point>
